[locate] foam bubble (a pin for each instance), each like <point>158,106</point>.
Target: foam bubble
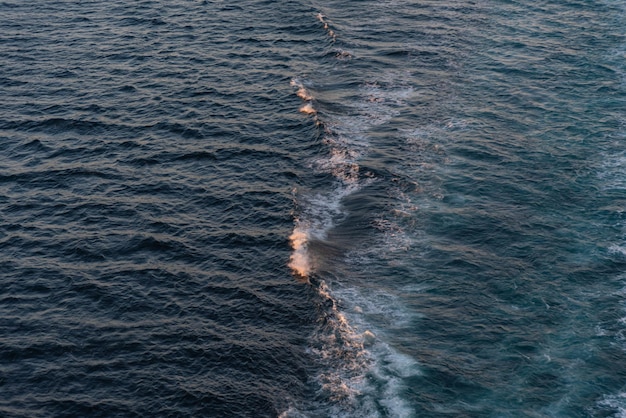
<point>343,167</point>
<point>618,250</point>
<point>617,403</point>
<point>308,109</point>
<point>302,91</point>
<point>613,172</point>
<point>314,222</point>
<point>359,366</point>
<point>396,406</point>
<point>300,261</point>
<point>368,338</point>
<point>292,412</point>
<point>330,32</point>
<point>304,94</point>
<point>341,352</point>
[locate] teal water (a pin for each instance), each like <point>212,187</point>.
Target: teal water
<point>476,215</point>
<point>380,208</point>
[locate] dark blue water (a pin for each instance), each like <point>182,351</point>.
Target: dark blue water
<point>308,209</point>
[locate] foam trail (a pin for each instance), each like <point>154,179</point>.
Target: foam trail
<point>344,352</point>
<point>358,367</point>
<point>300,260</point>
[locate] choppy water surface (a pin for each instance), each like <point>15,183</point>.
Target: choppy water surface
<point>330,208</point>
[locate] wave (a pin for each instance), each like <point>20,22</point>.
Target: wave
<point>361,373</point>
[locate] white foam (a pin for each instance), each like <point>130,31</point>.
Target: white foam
<point>363,375</point>
<point>618,250</point>
<point>343,350</point>
<point>292,412</point>
<point>614,172</point>
<point>396,406</point>
<point>616,402</point>
<point>342,54</point>
<point>320,211</point>
<point>302,91</point>
<point>300,261</point>
<point>386,367</point>
<point>308,109</point>
<point>341,163</point>
<point>317,218</point>
<point>375,308</point>
<point>327,28</point>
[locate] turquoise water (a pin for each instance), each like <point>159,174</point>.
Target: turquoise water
<point>330,208</point>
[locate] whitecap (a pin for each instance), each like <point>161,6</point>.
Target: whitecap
<point>308,109</point>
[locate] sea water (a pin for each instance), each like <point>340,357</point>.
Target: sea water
<point>389,208</point>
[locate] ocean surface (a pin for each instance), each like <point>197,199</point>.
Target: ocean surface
<point>313,208</point>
